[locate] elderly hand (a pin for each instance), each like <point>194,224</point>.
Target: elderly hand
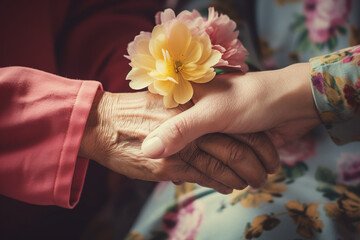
<point>278,102</point>
<point>118,123</point>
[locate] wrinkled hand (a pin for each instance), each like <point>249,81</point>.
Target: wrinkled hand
<point>118,123</point>
<point>278,102</point>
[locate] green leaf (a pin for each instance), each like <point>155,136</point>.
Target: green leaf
<point>296,171</point>
<point>320,46</point>
<point>324,174</point>
<point>298,24</point>
<point>327,190</point>
<point>290,181</point>
<point>332,42</point>
<point>342,30</point>
<point>219,71</point>
<point>303,43</point>
<point>332,82</point>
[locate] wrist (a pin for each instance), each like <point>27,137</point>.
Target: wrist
<point>88,144</point>
<point>295,100</point>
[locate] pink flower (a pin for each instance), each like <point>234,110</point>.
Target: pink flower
<point>349,168</point>
<point>318,82</point>
<point>133,47</point>
<point>323,17</point>
<point>297,151</point>
<point>356,50</point>
<point>193,20</point>
<point>220,29</point>
<point>185,221</point>
<point>348,59</point>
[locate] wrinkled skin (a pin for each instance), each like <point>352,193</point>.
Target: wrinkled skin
<point>118,124</point>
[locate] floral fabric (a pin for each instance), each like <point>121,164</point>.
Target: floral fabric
<point>336,88</point>
<point>316,193</point>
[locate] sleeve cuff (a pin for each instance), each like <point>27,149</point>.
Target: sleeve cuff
<point>71,172</point>
<point>335,82</point>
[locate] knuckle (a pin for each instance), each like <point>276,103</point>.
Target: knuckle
<point>160,171</point>
<point>212,167</point>
<point>236,153</point>
<point>189,154</point>
<point>256,139</point>
<point>176,129</point>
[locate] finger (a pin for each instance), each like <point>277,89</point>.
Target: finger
<point>174,134</point>
<point>263,148</point>
<point>176,170</point>
<point>237,155</point>
<point>211,167</point>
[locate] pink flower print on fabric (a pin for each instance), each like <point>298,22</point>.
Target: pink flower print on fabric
<point>349,168</point>
<point>323,17</point>
<point>299,150</point>
<point>318,82</point>
<point>184,222</point>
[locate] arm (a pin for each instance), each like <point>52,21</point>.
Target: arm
<point>42,118</point>
<point>279,102</point>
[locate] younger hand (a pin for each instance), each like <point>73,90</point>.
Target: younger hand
<point>279,103</point>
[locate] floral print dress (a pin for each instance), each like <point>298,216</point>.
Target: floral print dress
<point>316,194</point>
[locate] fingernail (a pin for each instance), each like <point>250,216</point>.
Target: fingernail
<point>152,147</point>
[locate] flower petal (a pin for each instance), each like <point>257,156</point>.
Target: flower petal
<point>213,59</point>
<point>146,62</point>
<point>169,101</point>
<point>166,69</point>
<point>152,89</point>
<point>143,47</point>
<point>158,41</point>
<point>193,53</point>
<point>179,40</point>
<point>183,91</point>
<point>138,40</point>
<point>164,87</point>
<point>165,16</point>
<point>139,78</point>
<point>157,76</point>
<point>194,71</point>
<point>207,78</point>
<point>206,48</point>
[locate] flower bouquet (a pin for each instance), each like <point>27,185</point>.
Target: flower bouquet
<point>182,50</point>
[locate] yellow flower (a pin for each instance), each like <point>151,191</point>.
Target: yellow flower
<point>259,224</point>
<point>169,60</point>
<point>251,197</point>
<point>346,208</point>
<point>306,217</point>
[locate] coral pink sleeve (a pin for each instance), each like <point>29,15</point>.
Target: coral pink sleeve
<point>42,119</point>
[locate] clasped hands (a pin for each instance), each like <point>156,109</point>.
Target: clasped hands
<point>226,139</point>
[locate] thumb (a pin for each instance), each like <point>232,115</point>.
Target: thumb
<point>175,133</point>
